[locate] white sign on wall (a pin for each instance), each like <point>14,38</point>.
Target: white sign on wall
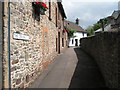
<point>19,36</point>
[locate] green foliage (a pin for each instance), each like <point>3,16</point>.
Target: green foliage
<point>90,30</point>
<point>70,32</point>
<point>97,26</point>
<point>104,20</point>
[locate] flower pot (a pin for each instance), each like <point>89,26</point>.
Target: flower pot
<point>42,11</point>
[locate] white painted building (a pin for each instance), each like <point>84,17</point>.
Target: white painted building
<point>106,28</point>
<point>79,33</point>
<point>75,41</point>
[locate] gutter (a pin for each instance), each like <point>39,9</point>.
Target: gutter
<point>62,10</point>
<point>9,64</point>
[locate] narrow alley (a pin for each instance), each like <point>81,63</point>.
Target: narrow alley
<point>71,69</point>
<point>59,44</point>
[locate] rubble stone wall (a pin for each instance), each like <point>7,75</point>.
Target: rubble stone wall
<point>104,47</point>
<point>29,57</point>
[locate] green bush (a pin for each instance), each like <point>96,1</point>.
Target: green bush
<point>90,30</point>
<point>70,32</point>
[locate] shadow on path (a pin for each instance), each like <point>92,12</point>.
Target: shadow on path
<point>87,73</point>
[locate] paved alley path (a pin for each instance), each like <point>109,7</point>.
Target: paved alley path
<point>72,69</point>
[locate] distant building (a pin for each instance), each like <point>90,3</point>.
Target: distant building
<point>115,19</point>
<point>80,32</point>
<point>119,5</point>
<point>113,22</point>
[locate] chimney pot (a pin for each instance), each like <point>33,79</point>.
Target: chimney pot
<point>77,21</point>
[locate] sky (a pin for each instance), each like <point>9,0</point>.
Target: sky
<point>89,11</point>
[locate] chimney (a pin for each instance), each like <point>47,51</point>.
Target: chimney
<point>77,21</point>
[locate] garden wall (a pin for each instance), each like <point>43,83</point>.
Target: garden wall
<point>104,47</point>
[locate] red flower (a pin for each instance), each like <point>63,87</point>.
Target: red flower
<point>42,4</point>
<point>64,29</point>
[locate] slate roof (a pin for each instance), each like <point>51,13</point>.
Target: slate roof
<point>74,26</point>
<point>116,14</point>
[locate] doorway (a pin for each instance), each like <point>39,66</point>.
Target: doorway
<point>76,42</point>
<point>62,42</point>
<point>58,42</point>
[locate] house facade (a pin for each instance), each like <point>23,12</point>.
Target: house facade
<point>31,40</point>
<point>75,41</point>
<point>78,34</point>
<point>115,19</point>
<point>113,22</point>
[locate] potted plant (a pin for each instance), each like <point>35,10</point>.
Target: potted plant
<point>64,29</point>
<point>42,7</point>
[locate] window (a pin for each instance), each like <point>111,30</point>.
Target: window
<point>83,34</point>
<point>56,16</point>
<point>36,14</point>
<point>72,41</point>
<point>56,44</point>
<point>59,16</point>
<point>62,42</point>
<point>50,10</point>
<point>63,32</point>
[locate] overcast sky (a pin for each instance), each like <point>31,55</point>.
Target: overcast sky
<point>89,12</point>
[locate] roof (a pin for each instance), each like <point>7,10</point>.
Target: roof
<point>74,26</point>
<point>115,14</point>
<point>118,16</point>
<point>106,28</point>
<point>61,9</point>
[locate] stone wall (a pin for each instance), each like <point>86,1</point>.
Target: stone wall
<point>30,57</point>
<point>104,48</point>
<point>5,47</point>
<point>1,41</point>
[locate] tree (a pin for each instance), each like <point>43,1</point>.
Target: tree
<point>70,32</point>
<point>90,30</point>
<point>96,26</point>
<point>100,24</point>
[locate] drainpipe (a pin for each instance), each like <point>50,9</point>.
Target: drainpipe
<point>9,66</point>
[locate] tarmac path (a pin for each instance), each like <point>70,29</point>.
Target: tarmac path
<point>71,69</point>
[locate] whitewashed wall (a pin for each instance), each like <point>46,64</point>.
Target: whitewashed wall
<point>78,36</point>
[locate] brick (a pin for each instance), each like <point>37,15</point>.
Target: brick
<point>44,64</point>
<point>13,69</point>
<point>15,61</point>
<point>18,81</point>
<point>27,78</point>
<point>21,85</point>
